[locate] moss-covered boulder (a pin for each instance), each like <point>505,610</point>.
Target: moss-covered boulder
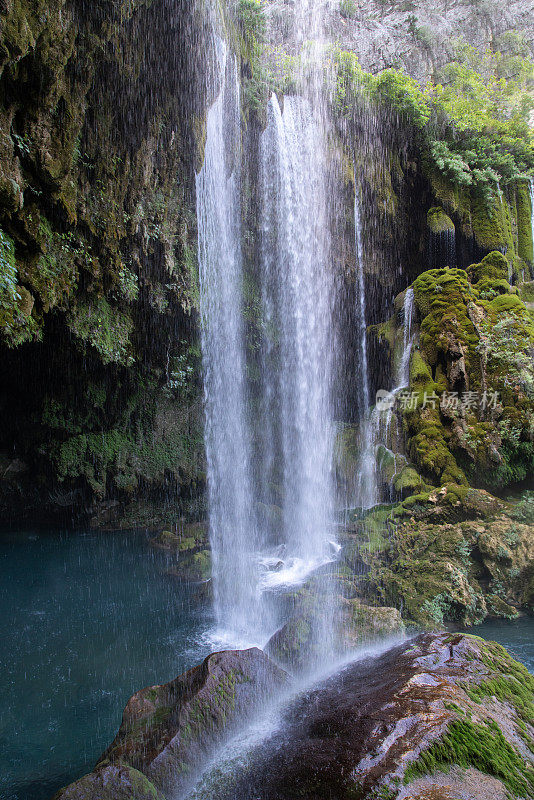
<point>351,623</point>
<point>471,393</point>
<point>189,546</point>
<point>114,782</point>
<point>168,730</point>
<point>456,555</point>
<point>438,221</point>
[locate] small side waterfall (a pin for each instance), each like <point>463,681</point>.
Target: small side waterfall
<point>366,492</point>
<point>377,425</point>
<point>231,523</point>
<point>362,316</point>
<point>403,369</point>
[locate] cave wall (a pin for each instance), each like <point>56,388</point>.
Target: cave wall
<point>101,109</point>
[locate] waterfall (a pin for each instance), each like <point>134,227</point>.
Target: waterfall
<point>362,315</point>
<point>297,290</point>
<point>232,526</point>
<point>403,371</point>
<point>366,493</point>
<point>442,249</point>
<point>269,471</point>
<point>377,422</point>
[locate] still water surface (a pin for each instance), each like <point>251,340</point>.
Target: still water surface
<point>516,635</point>
<point>86,620</point>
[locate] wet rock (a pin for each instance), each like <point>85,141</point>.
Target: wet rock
<point>111,783</point>
<point>459,571</point>
<point>168,730</point>
<point>297,644</point>
<point>190,544</point>
<point>439,717</point>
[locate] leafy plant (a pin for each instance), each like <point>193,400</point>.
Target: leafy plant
<point>347,9</point>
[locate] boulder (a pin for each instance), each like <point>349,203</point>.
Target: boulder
<point>439,717</point>
<point>190,545</point>
<point>114,782</point>
<point>168,730</point>
<point>298,644</point>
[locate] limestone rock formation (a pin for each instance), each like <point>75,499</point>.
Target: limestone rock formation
<point>454,554</point>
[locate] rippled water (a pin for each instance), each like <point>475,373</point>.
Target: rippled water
<point>87,619</point>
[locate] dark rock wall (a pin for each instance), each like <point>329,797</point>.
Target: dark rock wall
<point>101,108</point>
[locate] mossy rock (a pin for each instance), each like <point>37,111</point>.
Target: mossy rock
<point>494,266</point>
<point>388,463</point>
<point>525,243</point>
<point>491,224</point>
<point>352,623</point>
<point>112,782</point>
<point>438,221</point>
<point>408,482</point>
<point>526,292</point>
<point>171,729</point>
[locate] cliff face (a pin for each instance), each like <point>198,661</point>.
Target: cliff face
<point>100,130</point>
<point>419,36</point>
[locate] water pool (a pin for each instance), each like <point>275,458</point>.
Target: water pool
<point>87,619</point>
<point>516,635</point>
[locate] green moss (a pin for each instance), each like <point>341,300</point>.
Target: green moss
<point>494,266</point>
<point>526,292</point>
<point>491,224</point>
<point>441,297</point>
<point>525,244</point>
<point>438,221</point>
<point>511,682</point>
<point>106,328</point>
<point>408,482</point>
<point>420,373</point>
<point>482,747</point>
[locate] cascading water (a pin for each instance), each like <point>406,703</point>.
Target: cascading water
<point>288,450</point>
<point>403,370</point>
<point>232,526</point>
<point>297,294</point>
<point>366,493</point>
<point>377,423</point>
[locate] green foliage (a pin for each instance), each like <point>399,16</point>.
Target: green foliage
<point>251,19</point>
<point>8,282</point>
<point>107,329</point>
<point>15,326</point>
<point>128,284</point>
<point>482,747</point>
<point>473,126</point>
<point>347,9</point>
<point>509,345</point>
<point>56,276</point>
<point>182,371</point>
